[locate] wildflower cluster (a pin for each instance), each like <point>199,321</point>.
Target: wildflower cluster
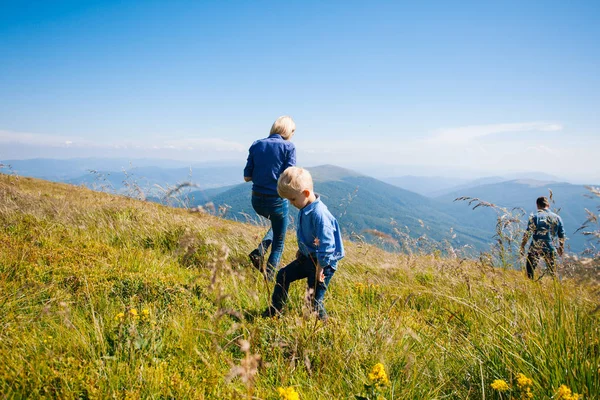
<point>133,315</point>
<point>524,386</point>
<point>564,393</point>
<point>288,393</point>
<point>134,331</point>
<point>362,288</point>
<point>500,385</point>
<point>378,377</point>
<point>378,380</point>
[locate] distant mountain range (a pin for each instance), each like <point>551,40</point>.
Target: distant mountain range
<point>369,208</point>
<point>363,204</point>
<point>366,207</point>
<point>62,170</point>
<point>435,186</point>
<point>152,176</point>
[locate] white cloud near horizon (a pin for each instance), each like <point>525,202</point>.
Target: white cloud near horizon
<point>543,149</point>
<point>216,144</point>
<point>465,134</point>
<point>197,144</point>
<point>525,153</point>
<point>560,155</point>
<point>35,139</point>
<point>463,139</point>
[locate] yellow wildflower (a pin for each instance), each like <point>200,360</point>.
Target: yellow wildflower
<point>564,393</point>
<point>145,312</point>
<point>523,381</point>
<point>500,385</point>
<point>120,316</point>
<point>361,288</point>
<point>378,375</point>
<point>288,393</point>
<point>134,313</point>
<point>524,385</point>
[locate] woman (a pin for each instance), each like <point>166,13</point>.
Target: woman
<point>267,159</point>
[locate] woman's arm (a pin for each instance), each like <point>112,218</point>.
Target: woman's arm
<point>291,158</point>
<point>249,169</point>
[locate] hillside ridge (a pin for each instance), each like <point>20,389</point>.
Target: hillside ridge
<point>106,296</point>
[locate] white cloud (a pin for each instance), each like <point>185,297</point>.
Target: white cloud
<point>187,144</point>
<point>35,139</point>
<point>543,149</point>
<point>216,144</point>
<point>528,154</point>
<point>464,134</point>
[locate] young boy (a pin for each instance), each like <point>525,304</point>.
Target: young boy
<point>319,242</point>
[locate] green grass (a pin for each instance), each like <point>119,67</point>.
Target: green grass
<point>72,260</point>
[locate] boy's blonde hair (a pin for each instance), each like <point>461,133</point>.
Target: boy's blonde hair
<point>293,181</point>
<point>284,126</point>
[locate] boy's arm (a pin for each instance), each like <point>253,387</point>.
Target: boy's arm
<point>324,242</point>
<point>320,274</point>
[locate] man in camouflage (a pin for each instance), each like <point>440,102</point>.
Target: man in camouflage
<point>543,226</point>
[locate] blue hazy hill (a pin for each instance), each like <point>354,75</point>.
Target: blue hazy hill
<point>363,204</point>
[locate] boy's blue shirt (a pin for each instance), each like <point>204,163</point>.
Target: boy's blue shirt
<point>544,225</point>
<point>267,159</point>
<point>319,234</point>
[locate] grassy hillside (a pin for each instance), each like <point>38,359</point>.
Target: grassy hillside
<point>108,297</point>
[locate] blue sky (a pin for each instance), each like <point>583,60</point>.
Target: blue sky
<point>486,87</point>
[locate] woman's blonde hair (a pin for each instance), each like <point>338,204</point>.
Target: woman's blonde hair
<point>284,126</point>
<point>293,181</point>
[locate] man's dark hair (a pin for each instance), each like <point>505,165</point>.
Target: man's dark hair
<point>542,202</point>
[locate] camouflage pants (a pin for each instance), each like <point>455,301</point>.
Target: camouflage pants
<point>533,257</point>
